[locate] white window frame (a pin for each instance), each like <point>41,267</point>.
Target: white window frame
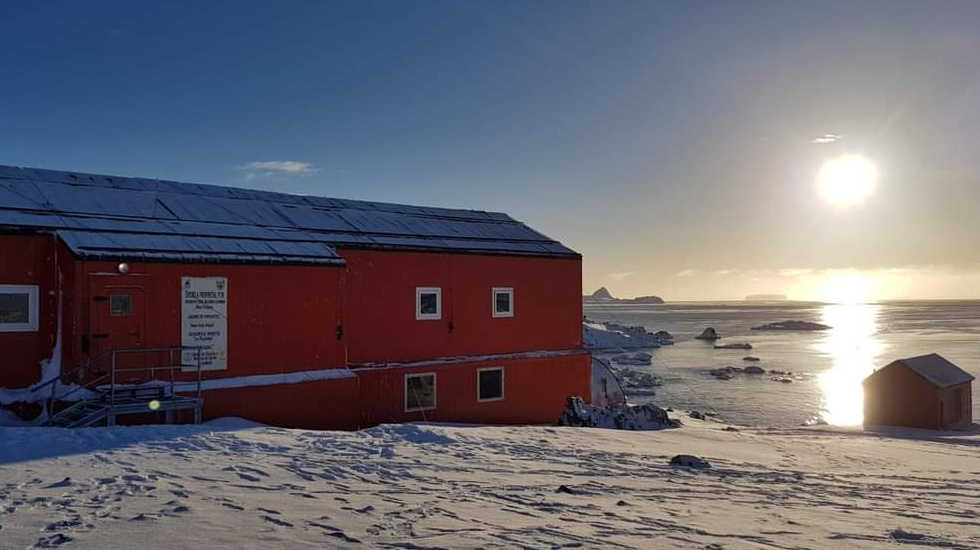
<point>419,291</point>
<point>435,390</point>
<point>493,301</point>
<point>33,308</point>
<point>503,385</point>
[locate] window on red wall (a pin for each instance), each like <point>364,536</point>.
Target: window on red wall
<point>502,301</point>
<point>428,303</point>
<point>420,391</point>
<point>490,384</point>
<point>18,308</point>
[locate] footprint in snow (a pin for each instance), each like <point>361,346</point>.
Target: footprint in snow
<point>177,508</point>
<point>63,483</point>
<point>64,524</point>
<point>342,536</point>
<point>248,477</point>
<point>135,477</point>
<point>52,541</point>
<point>364,510</point>
<point>277,521</point>
<point>253,470</point>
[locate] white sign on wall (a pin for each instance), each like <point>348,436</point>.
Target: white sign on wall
<point>204,321</point>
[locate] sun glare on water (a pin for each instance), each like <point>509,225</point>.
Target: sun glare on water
<point>847,180</point>
<point>854,348</point>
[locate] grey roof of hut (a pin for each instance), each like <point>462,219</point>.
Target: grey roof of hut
<point>934,368</point>
<point>112,217</point>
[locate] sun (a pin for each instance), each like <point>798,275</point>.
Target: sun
<point>847,179</point>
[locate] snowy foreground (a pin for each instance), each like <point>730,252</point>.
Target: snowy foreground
<point>233,485</point>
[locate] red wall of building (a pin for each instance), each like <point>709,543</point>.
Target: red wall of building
<point>379,305</point>
<point>285,319</point>
<point>280,318</point>
<point>957,405</point>
<point>535,391</point>
<point>896,396</point>
<point>29,260</point>
<point>323,404</point>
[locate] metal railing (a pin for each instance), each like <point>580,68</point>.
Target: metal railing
<point>171,367</point>
<point>95,384</point>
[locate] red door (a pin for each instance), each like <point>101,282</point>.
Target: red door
<point>117,318</point>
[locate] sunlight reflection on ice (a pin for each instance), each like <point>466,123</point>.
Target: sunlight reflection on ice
<point>854,349</point>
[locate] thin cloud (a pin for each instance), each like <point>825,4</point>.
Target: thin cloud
<point>827,138</point>
<point>794,272</point>
<point>620,276</point>
<point>725,271</point>
<point>277,167</point>
<point>686,273</point>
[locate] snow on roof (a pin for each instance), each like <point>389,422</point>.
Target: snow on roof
<point>934,368</point>
<point>107,217</point>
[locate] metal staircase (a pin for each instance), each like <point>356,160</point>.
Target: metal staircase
<point>112,390</point>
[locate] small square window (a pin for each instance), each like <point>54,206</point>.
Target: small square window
<point>428,303</point>
<point>420,392</point>
<point>120,305</point>
<point>502,302</point>
<point>18,308</point>
<point>490,384</point>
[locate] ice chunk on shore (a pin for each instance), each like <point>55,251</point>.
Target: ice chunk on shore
<point>613,335</point>
<point>640,358</point>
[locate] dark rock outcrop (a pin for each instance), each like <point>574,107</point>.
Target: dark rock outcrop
<point>690,461</point>
<point>708,334</point>
<point>734,346</point>
<point>629,417</point>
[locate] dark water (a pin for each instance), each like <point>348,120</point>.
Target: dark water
<point>827,366</point>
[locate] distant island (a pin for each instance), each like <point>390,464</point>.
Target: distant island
<point>766,298</point>
<point>603,296</point>
<point>792,325</point>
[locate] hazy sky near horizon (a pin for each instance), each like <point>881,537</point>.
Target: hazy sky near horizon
<point>671,143</point>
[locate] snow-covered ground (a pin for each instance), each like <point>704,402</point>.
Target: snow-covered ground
<point>229,484</point>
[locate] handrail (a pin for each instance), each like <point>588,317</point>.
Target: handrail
<point>92,384</point>
<point>171,367</point>
<point>93,360</point>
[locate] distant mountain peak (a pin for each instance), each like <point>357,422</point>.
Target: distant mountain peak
<point>602,294</point>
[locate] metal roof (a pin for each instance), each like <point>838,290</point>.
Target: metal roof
<point>110,217</point>
<point>935,369</point>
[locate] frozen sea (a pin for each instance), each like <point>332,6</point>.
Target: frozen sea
<point>827,366</point>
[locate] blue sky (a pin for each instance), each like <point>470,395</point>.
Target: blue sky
<point>669,142</point>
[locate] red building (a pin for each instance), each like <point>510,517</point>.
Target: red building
<point>291,310</point>
<point>921,392</point>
